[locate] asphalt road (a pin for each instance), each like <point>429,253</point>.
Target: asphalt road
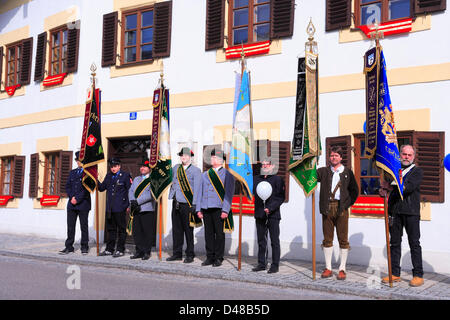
<point>32,279</point>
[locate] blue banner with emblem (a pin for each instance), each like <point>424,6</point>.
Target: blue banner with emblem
<point>387,154</point>
<point>240,163</point>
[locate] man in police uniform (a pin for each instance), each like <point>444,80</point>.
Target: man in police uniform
<point>142,205</point>
<point>186,184</point>
<point>214,207</point>
<point>116,183</point>
<point>79,205</point>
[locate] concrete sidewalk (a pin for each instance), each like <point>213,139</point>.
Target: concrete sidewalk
<point>293,273</point>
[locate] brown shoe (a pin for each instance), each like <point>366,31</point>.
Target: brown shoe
<point>394,279</point>
<point>341,275</point>
<point>416,282</point>
<point>326,273</point>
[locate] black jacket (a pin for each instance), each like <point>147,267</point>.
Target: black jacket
<point>116,191</point>
<point>411,194</point>
<point>275,200</point>
<point>75,188</point>
<point>349,189</point>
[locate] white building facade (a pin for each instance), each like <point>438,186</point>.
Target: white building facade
<point>40,124</point>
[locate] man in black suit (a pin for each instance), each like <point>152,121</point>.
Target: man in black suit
<point>405,214</point>
<point>267,216</point>
<point>79,205</point>
<point>116,183</point>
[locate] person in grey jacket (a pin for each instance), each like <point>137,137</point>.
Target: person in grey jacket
<point>142,205</point>
<point>214,206</point>
<point>186,184</point>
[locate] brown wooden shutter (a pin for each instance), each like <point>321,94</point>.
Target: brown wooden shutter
<point>1,64</point>
<point>39,65</point>
<point>345,142</point>
<point>281,18</point>
<point>25,61</point>
<point>18,175</point>
<point>430,156</point>
<point>34,175</point>
<point>73,43</point>
<point>215,24</point>
<point>109,40</point>
<point>427,6</point>
<point>338,14</point>
<point>281,153</point>
<point>162,29</point>
<point>65,158</point>
<point>207,155</point>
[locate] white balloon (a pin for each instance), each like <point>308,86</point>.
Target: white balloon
<point>264,190</point>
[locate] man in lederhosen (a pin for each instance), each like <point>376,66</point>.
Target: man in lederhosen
<point>142,205</point>
<point>116,183</point>
<point>186,184</point>
<point>338,192</point>
<point>214,207</point>
<point>79,205</point>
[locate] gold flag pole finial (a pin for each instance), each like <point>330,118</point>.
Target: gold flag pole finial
<point>311,45</point>
<point>93,69</point>
<point>377,34</point>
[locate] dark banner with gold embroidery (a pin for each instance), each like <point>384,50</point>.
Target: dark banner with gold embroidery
<point>372,71</point>
<point>91,151</point>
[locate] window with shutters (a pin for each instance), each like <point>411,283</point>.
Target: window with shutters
<point>137,35</point>
<point>51,173</point>
<point>369,11</point>
<point>429,156</point>
<point>58,51</point>
<point>249,21</point>
<point>13,54</point>
<point>6,176</point>
<point>11,175</point>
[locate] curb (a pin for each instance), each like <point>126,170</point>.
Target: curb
<point>293,281</point>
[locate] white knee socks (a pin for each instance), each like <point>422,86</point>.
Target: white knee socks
<point>328,252</point>
<point>344,254</point>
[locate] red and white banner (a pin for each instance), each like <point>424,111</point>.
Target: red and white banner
<point>248,207</point>
<point>4,200</point>
<point>389,28</point>
<point>54,80</point>
<point>249,50</point>
<point>368,205</point>
<point>12,89</point>
<point>48,200</point>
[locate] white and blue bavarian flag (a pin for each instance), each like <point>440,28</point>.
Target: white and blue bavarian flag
<point>240,160</point>
<point>387,154</point>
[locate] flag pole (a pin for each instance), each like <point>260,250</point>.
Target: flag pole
<point>311,46</point>
<point>241,191</point>
<point>93,68</point>
<point>377,34</point>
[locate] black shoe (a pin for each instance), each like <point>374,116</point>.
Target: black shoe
<point>136,256</point>
<point>273,269</point>
<point>217,263</point>
<point>84,251</point>
<point>174,258</point>
<point>207,262</point>
<point>146,256</point>
<point>118,254</point>
<point>259,267</point>
<point>66,251</point>
<point>188,260</point>
<point>105,253</point>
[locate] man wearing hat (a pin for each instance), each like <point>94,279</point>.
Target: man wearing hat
<point>214,206</point>
<point>116,183</point>
<point>79,205</point>
<point>186,184</point>
<point>142,207</point>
